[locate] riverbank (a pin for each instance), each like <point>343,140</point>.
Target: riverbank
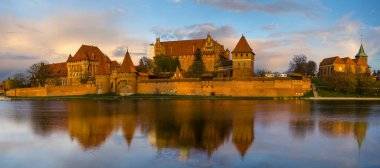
<point>150,96</point>
<point>3,98</point>
<point>185,97</point>
<point>344,98</point>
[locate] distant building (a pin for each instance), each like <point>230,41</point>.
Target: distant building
<point>150,51</point>
<point>282,75</point>
<point>336,64</point>
<point>269,75</point>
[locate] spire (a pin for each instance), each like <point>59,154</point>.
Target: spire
<point>127,65</point>
<point>361,52</point>
<point>242,46</point>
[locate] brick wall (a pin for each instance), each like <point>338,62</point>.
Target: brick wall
<point>53,91</point>
<point>252,87</point>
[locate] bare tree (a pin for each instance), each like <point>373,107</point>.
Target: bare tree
<point>21,80</point>
<point>39,73</point>
<point>299,64</point>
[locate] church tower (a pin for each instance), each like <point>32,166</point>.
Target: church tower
<point>242,59</point>
<point>362,55</point>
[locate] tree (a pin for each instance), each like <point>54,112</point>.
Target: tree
<point>366,85</point>
<point>261,73</point>
<point>360,84</point>
<point>145,65</point>
<point>39,73</point>
<point>165,64</point>
<point>311,68</point>
<point>299,64</point>
<point>341,82</point>
<point>197,69</point>
<point>21,80</point>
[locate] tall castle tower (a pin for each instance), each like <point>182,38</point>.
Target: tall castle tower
<point>242,59</point>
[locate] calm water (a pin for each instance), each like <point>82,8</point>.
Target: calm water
<point>189,133</point>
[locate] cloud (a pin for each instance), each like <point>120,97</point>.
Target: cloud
<point>121,50</point>
<point>270,27</point>
<point>307,8</point>
<point>340,39</point>
<point>53,37</point>
<point>6,56</point>
<point>194,31</point>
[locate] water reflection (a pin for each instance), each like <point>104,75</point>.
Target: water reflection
<point>186,125</point>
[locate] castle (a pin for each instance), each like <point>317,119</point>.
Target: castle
<point>90,71</point>
<point>346,65</point>
<point>91,66</point>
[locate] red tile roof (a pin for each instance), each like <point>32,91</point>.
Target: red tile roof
<point>242,46</point>
<point>331,60</point>
<point>115,65</point>
<point>182,47</point>
<point>70,58</point>
<point>87,52</point>
<point>58,69</point>
<point>348,60</point>
<point>127,65</point>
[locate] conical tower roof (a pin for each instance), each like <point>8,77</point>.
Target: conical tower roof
<point>361,52</point>
<point>69,58</point>
<point>242,46</point>
<point>127,65</point>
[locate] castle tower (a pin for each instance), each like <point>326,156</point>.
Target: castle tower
<point>127,78</point>
<point>362,55</point>
<point>242,59</point>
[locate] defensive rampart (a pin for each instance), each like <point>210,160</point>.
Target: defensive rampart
<point>255,87</point>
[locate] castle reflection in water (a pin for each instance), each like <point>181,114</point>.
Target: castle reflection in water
<point>186,125</point>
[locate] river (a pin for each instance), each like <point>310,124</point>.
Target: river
<point>189,133</point>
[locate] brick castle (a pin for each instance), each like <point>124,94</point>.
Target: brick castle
<point>90,71</point>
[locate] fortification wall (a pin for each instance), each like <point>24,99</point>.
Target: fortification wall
<point>249,87</point>
<point>254,87</point>
<point>53,91</point>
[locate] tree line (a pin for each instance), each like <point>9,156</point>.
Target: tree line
<point>35,75</point>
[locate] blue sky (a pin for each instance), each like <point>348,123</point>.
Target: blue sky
<point>34,30</point>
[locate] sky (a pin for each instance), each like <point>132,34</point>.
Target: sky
<point>41,30</point>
